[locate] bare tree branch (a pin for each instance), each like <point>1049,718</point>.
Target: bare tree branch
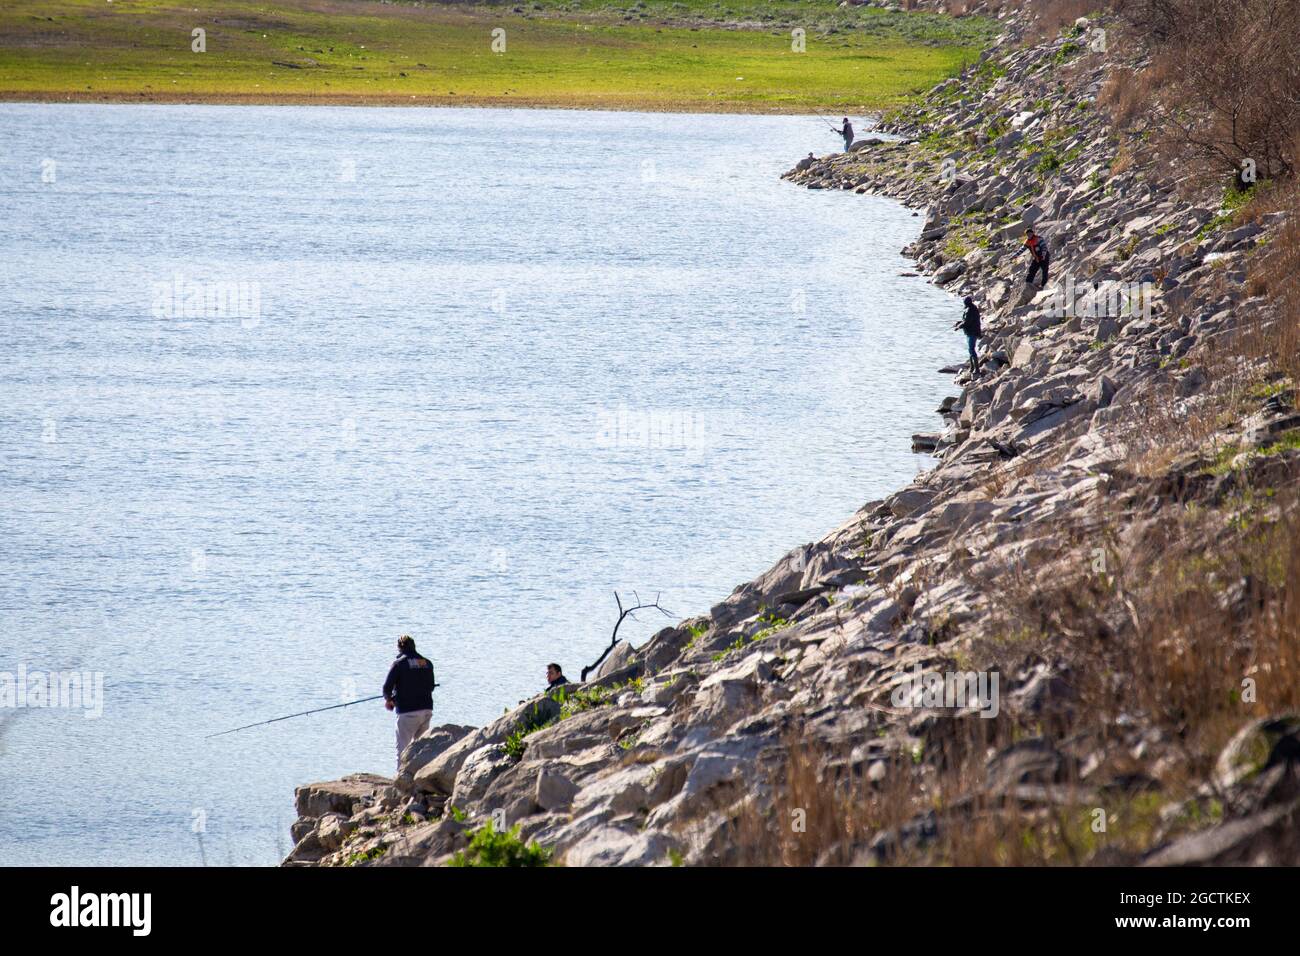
<point>623,612</point>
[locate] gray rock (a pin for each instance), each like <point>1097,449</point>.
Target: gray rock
<point>423,843</point>
<point>306,851</point>
<point>1257,746</point>
<point>476,774</point>
<point>949,272</point>
<point>423,750</point>
<point>605,846</point>
<point>334,828</point>
<point>910,500</point>
<point>338,796</point>
<point>620,656</point>
<point>1102,391</point>
<point>1268,838</point>
<point>554,791</point>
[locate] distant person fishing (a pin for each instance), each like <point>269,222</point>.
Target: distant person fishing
<point>409,691</point>
<point>847,132</point>
<point>970,324</point>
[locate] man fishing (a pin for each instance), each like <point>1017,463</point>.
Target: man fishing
<point>970,324</point>
<point>409,691</point>
<point>1038,256</point>
<point>847,132</point>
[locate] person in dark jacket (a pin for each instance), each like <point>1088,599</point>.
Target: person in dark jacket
<point>970,324</point>
<point>555,677</point>
<point>408,690</point>
<point>847,132</point>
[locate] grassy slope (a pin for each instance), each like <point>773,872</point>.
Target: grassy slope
<point>595,53</point>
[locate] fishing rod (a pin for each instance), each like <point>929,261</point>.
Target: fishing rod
<point>304,713</point>
<point>826,119</point>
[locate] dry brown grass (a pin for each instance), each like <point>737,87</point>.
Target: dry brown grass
<point>1050,16</point>
<point>1260,343</point>
<point>1122,95</point>
<point>1155,648</point>
<point>1198,598</point>
<point>932,809</point>
<point>1276,273</point>
<point>1223,83</point>
<point>1162,426</point>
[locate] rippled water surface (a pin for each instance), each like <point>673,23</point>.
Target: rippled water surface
<point>282,383</point>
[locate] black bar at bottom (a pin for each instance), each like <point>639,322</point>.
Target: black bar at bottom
<point>383,907</point>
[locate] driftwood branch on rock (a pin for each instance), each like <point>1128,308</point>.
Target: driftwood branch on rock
<point>624,612</point>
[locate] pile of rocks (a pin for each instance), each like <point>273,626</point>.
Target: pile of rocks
<point>663,754</point>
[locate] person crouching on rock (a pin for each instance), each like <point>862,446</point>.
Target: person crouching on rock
<point>409,691</point>
<point>555,677</point>
<point>970,324</point>
<point>1038,257</point>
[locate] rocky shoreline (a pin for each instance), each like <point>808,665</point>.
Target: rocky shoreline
<point>810,716</point>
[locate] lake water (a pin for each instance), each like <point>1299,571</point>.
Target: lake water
<point>280,384</point>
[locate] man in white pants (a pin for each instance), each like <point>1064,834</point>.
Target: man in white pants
<point>409,691</point>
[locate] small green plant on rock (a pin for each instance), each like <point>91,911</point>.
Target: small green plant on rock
<point>515,746</point>
<point>773,624</point>
<point>1067,51</point>
<point>487,847</point>
<point>366,856</point>
<point>735,645</point>
<point>697,631</point>
<point>584,700</point>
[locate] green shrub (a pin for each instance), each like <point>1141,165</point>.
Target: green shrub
<point>365,856</point>
<point>583,700</point>
<point>487,847</point>
<point>1067,51</point>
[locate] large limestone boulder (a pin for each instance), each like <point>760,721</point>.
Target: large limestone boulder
<point>477,773</point>
<point>424,750</point>
<point>614,846</point>
<point>825,562</point>
<point>783,577</point>
<point>664,647</point>
<point>553,790</point>
<point>605,846</point>
<point>731,693</point>
<point>426,844</point>
<point>623,791</point>
<point>438,776</point>
<point>338,796</point>
<point>334,828</point>
<point>619,657</point>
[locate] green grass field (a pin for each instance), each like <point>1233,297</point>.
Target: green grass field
<point>648,54</point>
